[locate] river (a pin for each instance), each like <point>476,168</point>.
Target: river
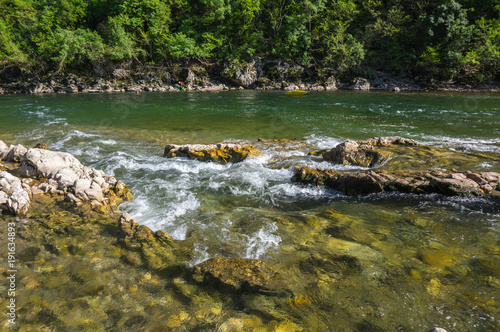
<point>413,262</point>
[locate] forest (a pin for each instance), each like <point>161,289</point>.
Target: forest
<point>427,39</point>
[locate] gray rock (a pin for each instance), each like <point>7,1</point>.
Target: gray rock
<point>359,83</point>
<point>13,197</point>
<point>241,74</point>
<point>9,182</point>
<point>351,153</point>
<point>390,140</point>
<point>3,199</point>
<point>186,75</point>
<point>46,163</point>
<point>331,83</point>
<point>19,202</point>
<point>66,175</point>
<point>437,329</point>
<point>16,152</point>
<point>121,74</point>
<point>4,150</point>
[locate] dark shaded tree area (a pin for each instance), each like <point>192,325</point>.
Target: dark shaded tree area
<point>427,39</point>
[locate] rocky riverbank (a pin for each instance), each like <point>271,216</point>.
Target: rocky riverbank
<point>39,171</point>
<point>256,74</point>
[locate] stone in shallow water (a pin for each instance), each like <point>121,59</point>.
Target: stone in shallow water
<point>363,153</point>
<point>222,153</point>
<point>238,273</point>
<point>351,153</point>
<point>364,183</point>
<point>13,197</point>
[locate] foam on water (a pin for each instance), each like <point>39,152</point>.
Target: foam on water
<point>465,144</point>
<point>262,241</point>
<point>322,142</point>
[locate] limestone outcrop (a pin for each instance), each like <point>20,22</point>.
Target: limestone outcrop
<point>13,195</point>
<point>364,183</point>
<point>241,74</point>
<point>58,173</point>
<point>221,153</point>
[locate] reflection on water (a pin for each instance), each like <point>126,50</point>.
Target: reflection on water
<point>377,263</point>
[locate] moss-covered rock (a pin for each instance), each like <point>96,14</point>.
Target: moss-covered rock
<point>364,183</point>
<point>155,250</point>
<point>238,274</point>
<point>221,153</point>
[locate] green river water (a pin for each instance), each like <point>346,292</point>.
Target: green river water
<point>378,263</point>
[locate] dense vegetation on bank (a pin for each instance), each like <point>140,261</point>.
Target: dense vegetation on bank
<point>438,39</point>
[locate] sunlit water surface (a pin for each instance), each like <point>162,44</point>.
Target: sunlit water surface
<point>421,261</point>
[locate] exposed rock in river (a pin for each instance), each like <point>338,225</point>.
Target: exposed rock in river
<point>351,153</point>
<point>364,183</point>
<point>13,196</point>
<point>221,153</point>
<point>363,153</point>
<point>57,173</point>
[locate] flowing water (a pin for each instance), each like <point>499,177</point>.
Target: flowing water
<point>384,262</point>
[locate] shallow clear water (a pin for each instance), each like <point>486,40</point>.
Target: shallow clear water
<point>420,261</point>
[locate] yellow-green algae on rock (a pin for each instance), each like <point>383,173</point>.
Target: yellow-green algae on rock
<point>221,153</point>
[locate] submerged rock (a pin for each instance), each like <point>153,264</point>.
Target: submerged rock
<point>153,250</point>
<point>221,153</point>
<point>364,183</point>
<point>237,274</point>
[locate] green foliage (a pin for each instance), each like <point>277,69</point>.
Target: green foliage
<point>484,57</point>
<point>77,46</point>
<point>17,19</point>
<point>118,43</point>
<point>450,34</point>
<point>445,39</point>
<point>333,42</point>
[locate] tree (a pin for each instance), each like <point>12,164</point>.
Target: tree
<point>332,39</point>
<point>449,35</point>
